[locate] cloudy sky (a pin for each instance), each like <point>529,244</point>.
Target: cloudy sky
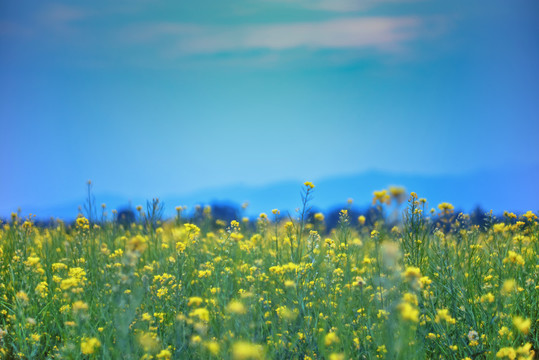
<point>163,97</point>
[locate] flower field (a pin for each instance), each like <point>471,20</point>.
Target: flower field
<point>430,285</point>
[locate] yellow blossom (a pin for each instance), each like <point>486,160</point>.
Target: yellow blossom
<point>247,351</point>
<point>514,258</point>
<point>236,307</point>
<point>194,301</point>
<point>213,347</point>
<point>412,273</point>
<point>137,243</point>
<point>523,325</point>
<point>530,216</point>
<point>331,338</point>
<point>42,289</point>
<point>319,216</point>
<point>381,196</point>
<point>408,312</point>
<point>446,208</point>
<point>201,313</point>
<point>89,345</point>
<point>22,296</point>
<point>83,223</point>
<point>508,286</point>
<point>309,185</point>
<point>79,306</point>
<point>361,219</point>
<point>507,352</point>
<point>164,354</point>
<point>443,315</point>
<point>148,342</point>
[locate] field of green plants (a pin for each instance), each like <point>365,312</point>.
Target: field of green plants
<point>429,286</point>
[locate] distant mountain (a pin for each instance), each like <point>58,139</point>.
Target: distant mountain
<point>514,190</point>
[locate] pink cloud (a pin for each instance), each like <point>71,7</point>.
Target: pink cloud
<point>382,33</point>
<point>340,5</point>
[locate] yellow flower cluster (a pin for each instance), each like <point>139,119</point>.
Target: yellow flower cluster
<point>425,286</point>
<point>89,345</point>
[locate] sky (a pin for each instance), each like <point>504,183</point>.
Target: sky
<point>152,98</point>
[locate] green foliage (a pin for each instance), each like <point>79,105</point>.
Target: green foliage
<point>274,289</point>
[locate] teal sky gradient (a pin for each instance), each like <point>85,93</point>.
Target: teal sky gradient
<point>153,98</point>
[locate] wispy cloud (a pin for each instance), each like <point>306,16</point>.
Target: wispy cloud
<point>49,23</point>
<point>49,19</point>
<point>339,5</point>
<point>91,35</point>
<point>380,33</point>
<point>61,13</point>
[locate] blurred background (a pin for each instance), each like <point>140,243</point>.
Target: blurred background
<point>233,101</point>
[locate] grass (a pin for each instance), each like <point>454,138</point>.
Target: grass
<point>432,287</point>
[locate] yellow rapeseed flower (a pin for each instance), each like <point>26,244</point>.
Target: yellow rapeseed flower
<point>443,315</point>
<point>289,284</point>
<point>83,223</point>
<point>337,356</point>
<point>410,298</point>
<point>164,354</point>
<point>530,216</point>
<point>137,243</point>
<point>381,196</point>
<point>408,312</point>
<point>331,338</point>
<point>425,281</point>
<point>236,307</point>
<point>89,345</point>
<point>201,313</point>
<point>412,273</point>
<point>514,258</point>
<point>309,185</point>
<point>194,301</point>
<point>42,289</point>
<point>213,347</point>
<point>523,325</point>
<point>446,208</point>
<point>32,261</point>
<point>58,266</point>
<point>79,306</point>
<point>507,352</point>
<point>22,296</point>
<point>285,313</point>
<point>242,350</point>
<point>525,352</point>
<point>148,342</point>
<point>361,219</point>
<point>508,286</point>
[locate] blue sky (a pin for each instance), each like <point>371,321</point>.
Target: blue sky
<point>153,98</point>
